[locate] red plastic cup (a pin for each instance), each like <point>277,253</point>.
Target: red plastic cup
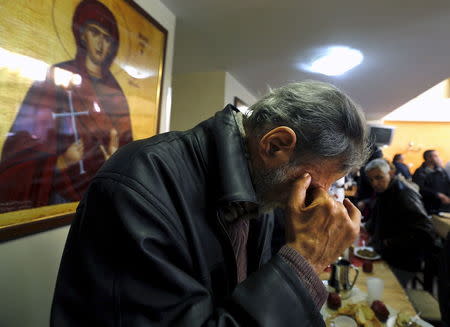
<point>367,266</point>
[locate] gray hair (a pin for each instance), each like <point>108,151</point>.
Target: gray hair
<point>328,124</point>
<point>380,164</point>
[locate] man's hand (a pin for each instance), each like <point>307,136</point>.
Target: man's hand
<point>361,205</point>
<point>322,228</point>
<point>444,198</point>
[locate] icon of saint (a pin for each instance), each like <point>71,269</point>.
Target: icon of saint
<point>70,123</point>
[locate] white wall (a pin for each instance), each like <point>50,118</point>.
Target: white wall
<point>235,89</point>
<point>432,105</point>
<point>196,97</point>
<point>29,265</point>
<point>28,272</point>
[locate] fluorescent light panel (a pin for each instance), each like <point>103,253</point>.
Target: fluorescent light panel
<point>336,61</point>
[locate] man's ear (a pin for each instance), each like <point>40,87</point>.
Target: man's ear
<point>277,146</point>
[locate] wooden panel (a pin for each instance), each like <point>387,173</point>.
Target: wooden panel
<point>424,135</point>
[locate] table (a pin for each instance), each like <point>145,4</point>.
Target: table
<point>393,294</point>
<point>441,225</point>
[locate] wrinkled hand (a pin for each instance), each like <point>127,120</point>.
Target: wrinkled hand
<point>361,205</point>
<point>321,229</point>
<point>113,144</point>
<point>72,155</point>
<point>444,198</point>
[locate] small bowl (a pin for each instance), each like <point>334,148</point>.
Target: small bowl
<point>344,321</point>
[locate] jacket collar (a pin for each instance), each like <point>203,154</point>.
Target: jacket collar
<point>234,179</point>
<point>426,168</point>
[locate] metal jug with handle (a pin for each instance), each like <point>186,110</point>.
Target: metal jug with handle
<point>340,275</point>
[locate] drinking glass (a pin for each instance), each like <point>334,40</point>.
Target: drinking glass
<point>375,287</point>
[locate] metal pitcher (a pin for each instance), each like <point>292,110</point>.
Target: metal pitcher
<point>339,279</point>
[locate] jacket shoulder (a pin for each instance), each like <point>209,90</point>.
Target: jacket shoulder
<point>169,149</point>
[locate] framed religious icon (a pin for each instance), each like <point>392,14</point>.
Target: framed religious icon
<point>78,80</point>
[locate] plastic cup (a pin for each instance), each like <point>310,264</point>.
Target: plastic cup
<point>375,287</point>
<point>344,321</point>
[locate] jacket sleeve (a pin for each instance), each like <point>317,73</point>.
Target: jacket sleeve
<point>417,228</point>
<point>127,263</point>
<point>420,178</point>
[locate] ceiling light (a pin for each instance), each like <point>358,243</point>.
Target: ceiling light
<point>335,61</point>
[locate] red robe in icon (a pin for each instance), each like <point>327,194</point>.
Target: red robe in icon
<point>28,174</point>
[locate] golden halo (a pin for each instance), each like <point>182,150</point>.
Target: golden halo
<point>62,12</point>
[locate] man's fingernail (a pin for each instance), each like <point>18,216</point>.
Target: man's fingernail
<point>306,175</point>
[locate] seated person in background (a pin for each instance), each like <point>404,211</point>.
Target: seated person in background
<point>434,183</point>
<point>365,190</point>
<point>447,168</point>
<point>394,172</point>
<point>399,226</point>
<point>164,236</point>
<point>365,194</point>
<point>401,168</point>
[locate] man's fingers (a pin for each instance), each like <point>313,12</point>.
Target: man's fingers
<point>317,193</point>
<point>298,192</point>
<point>353,211</point>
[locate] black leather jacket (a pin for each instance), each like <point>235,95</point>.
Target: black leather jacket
<point>401,231</point>
<point>431,182</point>
<point>147,246</point>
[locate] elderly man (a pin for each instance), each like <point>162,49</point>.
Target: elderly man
<point>166,235</point>
<point>434,183</point>
<point>401,231</point>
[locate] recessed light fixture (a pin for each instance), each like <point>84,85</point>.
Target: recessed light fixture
<point>335,61</point>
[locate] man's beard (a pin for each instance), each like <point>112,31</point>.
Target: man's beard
<point>272,186</point>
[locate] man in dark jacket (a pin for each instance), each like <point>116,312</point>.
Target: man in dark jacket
<point>167,234</point>
<point>434,183</point>
<point>400,229</point>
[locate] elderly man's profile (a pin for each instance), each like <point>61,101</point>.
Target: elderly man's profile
<point>69,124</point>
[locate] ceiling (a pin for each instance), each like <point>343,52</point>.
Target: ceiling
<point>406,44</point>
